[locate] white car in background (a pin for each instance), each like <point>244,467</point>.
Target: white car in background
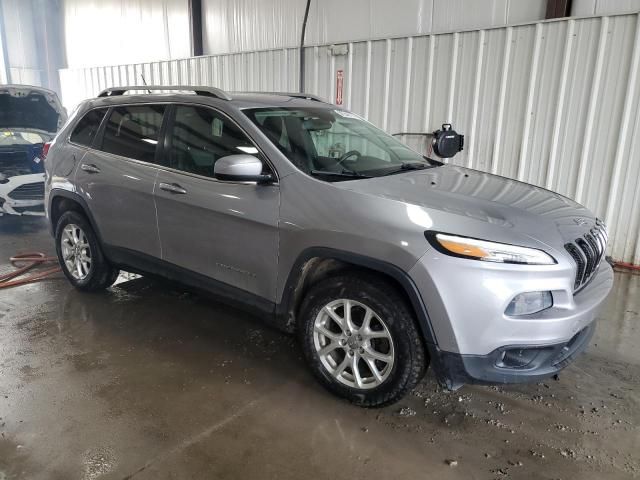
<point>29,119</point>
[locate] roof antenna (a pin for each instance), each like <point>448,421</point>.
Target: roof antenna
<point>144,82</point>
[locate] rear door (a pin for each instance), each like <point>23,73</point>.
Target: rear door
<point>117,177</point>
<point>227,231</point>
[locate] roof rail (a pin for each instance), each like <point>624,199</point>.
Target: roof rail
<point>306,96</point>
<point>198,90</point>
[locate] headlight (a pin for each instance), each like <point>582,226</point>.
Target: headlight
<point>488,251</point>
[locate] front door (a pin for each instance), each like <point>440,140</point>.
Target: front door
<point>116,177</point>
<point>227,231</point>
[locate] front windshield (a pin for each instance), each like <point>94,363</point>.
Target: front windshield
<point>21,137</point>
<point>335,144</point>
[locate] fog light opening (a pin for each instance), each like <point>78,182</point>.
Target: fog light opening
<point>517,357</point>
<point>529,303</point>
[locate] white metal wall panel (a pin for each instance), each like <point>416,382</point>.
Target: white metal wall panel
<point>30,30</point>
<point>246,25</point>
<point>20,35</point>
<point>603,7</point>
<point>554,103</point>
<point>103,32</point>
<point>525,11</point>
<point>462,14</point>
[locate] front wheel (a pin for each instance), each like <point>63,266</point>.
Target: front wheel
<point>80,255</point>
<point>361,340</point>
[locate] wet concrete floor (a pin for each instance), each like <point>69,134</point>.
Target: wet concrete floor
<point>149,381</point>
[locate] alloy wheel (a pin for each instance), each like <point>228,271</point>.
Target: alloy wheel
<point>76,252</point>
<point>354,344</point>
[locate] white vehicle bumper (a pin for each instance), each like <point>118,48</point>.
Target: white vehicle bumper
<point>22,195</point>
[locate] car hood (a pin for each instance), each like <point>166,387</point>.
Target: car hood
<point>485,198</point>
<point>24,107</point>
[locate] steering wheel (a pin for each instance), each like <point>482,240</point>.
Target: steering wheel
<point>349,154</point>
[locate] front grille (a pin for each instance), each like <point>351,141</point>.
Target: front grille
<point>35,209</point>
<point>587,251</point>
<point>14,163</point>
<point>28,191</point>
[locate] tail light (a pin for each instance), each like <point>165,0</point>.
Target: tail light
<point>45,150</point>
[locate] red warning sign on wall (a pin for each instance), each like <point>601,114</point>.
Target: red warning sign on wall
<point>339,86</point>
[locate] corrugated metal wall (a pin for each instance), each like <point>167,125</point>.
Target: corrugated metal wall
<point>554,103</point>
<point>243,25</point>
<point>603,7</point>
<point>103,32</point>
<point>31,42</point>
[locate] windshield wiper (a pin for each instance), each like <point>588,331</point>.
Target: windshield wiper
<point>343,173</point>
<point>407,166</point>
<point>413,166</point>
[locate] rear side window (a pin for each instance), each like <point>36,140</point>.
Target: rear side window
<point>133,131</point>
<point>87,127</point>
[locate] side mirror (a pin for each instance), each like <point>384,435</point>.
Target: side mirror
<point>240,168</point>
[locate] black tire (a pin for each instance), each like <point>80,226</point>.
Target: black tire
<point>388,304</point>
<point>101,274</point>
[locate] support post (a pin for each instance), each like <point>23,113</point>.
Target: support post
<point>195,17</point>
<point>558,9</point>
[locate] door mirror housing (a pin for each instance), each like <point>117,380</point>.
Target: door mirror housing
<point>241,168</point>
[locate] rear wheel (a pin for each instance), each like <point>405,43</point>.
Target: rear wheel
<point>360,339</point>
<point>80,255</point>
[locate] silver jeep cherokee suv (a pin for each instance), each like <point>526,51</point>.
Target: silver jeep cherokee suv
<point>381,260</point>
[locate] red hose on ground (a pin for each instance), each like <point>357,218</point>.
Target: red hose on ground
<point>25,262</point>
<point>627,266</point>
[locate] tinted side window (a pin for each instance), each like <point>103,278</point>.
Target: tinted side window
<point>133,131</point>
<point>87,127</point>
<point>200,136</point>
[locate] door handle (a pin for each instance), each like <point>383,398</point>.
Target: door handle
<point>172,188</point>
<point>90,168</point>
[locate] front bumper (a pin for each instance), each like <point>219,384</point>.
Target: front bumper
<point>466,301</point>
<point>454,370</point>
<point>28,203</point>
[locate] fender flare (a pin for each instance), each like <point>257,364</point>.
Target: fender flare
<point>57,193</point>
<point>385,268</point>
